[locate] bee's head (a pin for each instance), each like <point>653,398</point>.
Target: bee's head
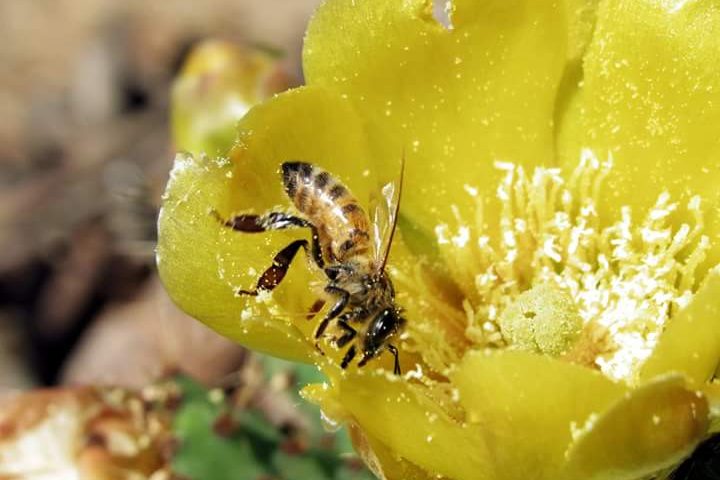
<point>383,326</point>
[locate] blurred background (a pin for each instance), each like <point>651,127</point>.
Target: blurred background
<point>85,151</point>
<point>84,156</point>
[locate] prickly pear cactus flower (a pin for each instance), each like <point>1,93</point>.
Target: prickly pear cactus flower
<point>558,234</point>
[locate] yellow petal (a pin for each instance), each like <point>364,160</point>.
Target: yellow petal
<point>458,100</point>
<point>650,95</point>
<point>382,461</point>
<point>581,18</point>
<point>691,342</point>
<point>400,416</point>
<point>309,124</point>
<point>203,263</point>
<point>712,393</point>
<point>218,84</point>
<point>652,428</point>
<point>528,404</point>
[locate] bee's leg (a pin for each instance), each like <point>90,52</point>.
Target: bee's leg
<point>394,351</point>
<point>315,308</point>
<point>250,223</point>
<point>335,310</point>
<point>348,357</point>
<point>242,223</point>
<point>316,250</point>
<point>272,277</point>
<point>349,334</point>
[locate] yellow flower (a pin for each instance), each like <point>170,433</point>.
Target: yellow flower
<point>557,237</point>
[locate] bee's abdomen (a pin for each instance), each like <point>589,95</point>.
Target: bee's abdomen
<point>342,224</point>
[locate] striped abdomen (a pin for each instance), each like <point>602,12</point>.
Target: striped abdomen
<point>342,225</point>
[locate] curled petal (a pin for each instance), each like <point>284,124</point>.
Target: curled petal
<point>402,418</point>
<point>528,405</point>
<point>203,264</point>
<point>650,429</point>
<point>690,343</point>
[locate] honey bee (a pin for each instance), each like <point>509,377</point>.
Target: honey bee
<point>350,251</point>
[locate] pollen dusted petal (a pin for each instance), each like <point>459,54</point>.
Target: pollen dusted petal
<point>582,15</point>
<point>652,428</point>
<point>202,263</point>
<point>307,124</point>
<point>313,125</point>
<point>650,94</point>
<point>527,405</point>
<point>407,421</point>
<point>455,99</point>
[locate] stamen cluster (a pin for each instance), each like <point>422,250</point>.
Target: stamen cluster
<point>552,275</point>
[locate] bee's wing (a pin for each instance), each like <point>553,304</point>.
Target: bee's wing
<point>384,207</point>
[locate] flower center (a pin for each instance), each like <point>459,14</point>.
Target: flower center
<point>556,279</point>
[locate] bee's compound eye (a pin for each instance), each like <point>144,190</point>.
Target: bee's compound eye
<point>386,323</point>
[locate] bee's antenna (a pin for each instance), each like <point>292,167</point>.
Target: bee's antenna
<point>397,210</point>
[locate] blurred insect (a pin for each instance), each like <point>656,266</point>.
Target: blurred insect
<point>350,250</point>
